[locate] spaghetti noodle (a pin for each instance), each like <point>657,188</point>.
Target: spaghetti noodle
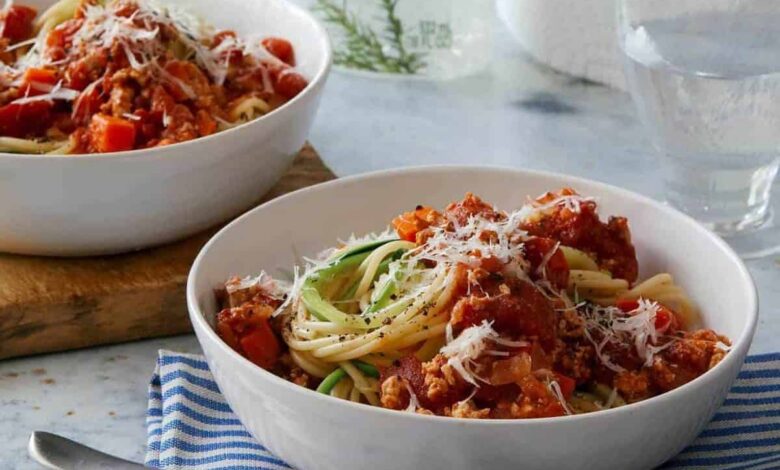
<point>91,76</point>
<point>475,312</point>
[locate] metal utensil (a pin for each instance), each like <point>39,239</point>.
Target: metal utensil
<point>57,452</point>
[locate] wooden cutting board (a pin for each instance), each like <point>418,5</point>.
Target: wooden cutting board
<point>55,304</point>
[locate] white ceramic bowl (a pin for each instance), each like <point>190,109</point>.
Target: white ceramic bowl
<point>109,203</point>
<point>313,431</point>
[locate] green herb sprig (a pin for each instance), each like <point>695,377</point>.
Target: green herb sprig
<point>364,49</point>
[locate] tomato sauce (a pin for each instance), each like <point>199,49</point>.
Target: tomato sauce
<point>146,88</point>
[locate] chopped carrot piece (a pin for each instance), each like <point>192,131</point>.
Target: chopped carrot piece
<point>406,226</point>
<point>111,134</point>
<point>409,223</point>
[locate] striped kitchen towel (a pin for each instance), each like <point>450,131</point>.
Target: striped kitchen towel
<point>191,426</point>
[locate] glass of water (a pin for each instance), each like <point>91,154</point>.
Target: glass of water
<point>705,77</point>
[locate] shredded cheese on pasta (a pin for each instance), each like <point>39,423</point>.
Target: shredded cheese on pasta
<point>635,329</point>
<point>469,345</point>
<point>271,287</point>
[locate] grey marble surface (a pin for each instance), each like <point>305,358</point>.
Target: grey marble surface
<point>515,114</point>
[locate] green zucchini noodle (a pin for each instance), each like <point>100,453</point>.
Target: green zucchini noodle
<point>587,282</point>
<point>248,109</point>
<point>63,148</point>
<point>399,302</point>
<point>29,146</point>
<point>598,397</point>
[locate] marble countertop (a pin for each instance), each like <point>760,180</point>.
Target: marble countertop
<point>515,114</point>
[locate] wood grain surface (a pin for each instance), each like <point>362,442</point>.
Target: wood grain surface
<point>55,304</point>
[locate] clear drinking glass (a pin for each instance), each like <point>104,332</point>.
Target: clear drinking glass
<point>438,39</point>
<point>705,77</point>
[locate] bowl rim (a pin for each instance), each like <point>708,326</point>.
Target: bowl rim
<point>314,83</point>
<point>742,343</point>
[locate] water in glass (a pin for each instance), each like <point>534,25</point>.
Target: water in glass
<point>707,86</point>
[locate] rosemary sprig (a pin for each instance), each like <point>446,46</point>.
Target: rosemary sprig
<point>408,62</point>
<point>363,47</point>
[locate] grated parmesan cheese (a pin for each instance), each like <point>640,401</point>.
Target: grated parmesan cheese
<point>555,389</point>
<point>271,287</point>
<point>57,92</point>
<point>542,269</point>
<point>570,202</point>
<point>635,329</point>
<point>469,345</point>
<point>467,244</point>
<point>414,403</point>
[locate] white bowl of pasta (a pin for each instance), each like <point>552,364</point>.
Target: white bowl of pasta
<point>504,311</point>
<point>127,124</point>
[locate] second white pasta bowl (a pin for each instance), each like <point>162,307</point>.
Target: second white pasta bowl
<point>314,431</point>
<point>108,203</point>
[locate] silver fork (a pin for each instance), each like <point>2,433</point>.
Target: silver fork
<point>57,452</point>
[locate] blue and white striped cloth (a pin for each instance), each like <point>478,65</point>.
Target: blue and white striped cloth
<point>191,426</point>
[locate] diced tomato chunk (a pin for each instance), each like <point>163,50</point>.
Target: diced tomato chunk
<point>666,321</point>
<point>547,261</point>
<point>665,318</point>
<point>190,82</point>
<point>261,345</point>
<point>290,84</point>
<point>87,104</point>
<point>111,134</point>
<point>206,124</point>
<point>281,49</point>
<point>567,385</point>
<point>17,22</point>
<point>21,120</point>
<point>37,81</point>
